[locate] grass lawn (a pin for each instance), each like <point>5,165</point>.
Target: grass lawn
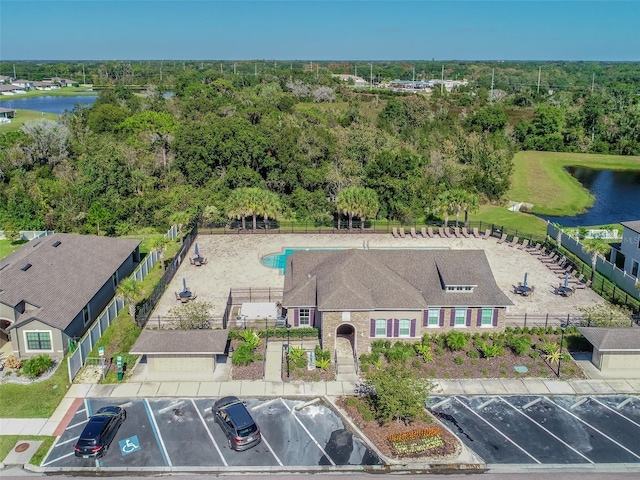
<point>60,92</point>
<point>7,442</point>
<point>37,400</point>
<point>540,178</point>
<point>25,116</point>
<point>8,246</point>
<point>511,220</point>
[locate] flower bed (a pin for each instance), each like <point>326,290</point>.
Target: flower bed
<point>416,441</point>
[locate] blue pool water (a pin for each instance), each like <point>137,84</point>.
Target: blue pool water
<point>279,260</point>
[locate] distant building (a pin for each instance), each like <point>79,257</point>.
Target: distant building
<point>357,81</point>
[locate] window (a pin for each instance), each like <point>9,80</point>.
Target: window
<point>85,315</point>
<point>434,317</point>
<point>461,317</point>
<point>381,327</point>
<point>634,269</point>
<point>487,317</point>
<point>305,317</point>
<point>404,329</point>
<point>38,340</point>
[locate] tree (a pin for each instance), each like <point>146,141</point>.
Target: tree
<point>180,219</point>
<point>357,201</point>
<point>596,248</point>
<point>445,205</point>
<point>191,315</point>
<point>159,244</point>
<point>254,202</point>
<point>129,290</point>
<point>48,142</point>
<point>606,314</point>
<point>399,394</point>
<point>98,214</point>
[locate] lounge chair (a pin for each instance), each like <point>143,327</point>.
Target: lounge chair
<point>395,233</point>
<point>487,234</point>
<point>582,286</point>
<point>430,232</point>
<point>465,232</point>
<point>191,262</point>
<point>475,232</point>
<point>177,296</point>
<point>456,232</point>
<point>549,259</point>
<point>204,261</point>
<point>514,242</point>
<point>413,233</point>
<point>535,250</point>
<point>502,238</point>
<point>442,231</point>
<point>402,234</point>
<point>424,233</point>
<point>197,263</point>
<point>524,244</point>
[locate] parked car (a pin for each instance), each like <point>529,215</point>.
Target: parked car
<point>235,420</point>
<point>99,432</point>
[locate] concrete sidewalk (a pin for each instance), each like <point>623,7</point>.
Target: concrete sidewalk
<point>265,389</point>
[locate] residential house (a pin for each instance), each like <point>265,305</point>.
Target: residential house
<point>391,294</point>
<point>11,90</point>
<point>25,85</point>
<point>629,247</point>
<point>52,289</point>
<point>5,79</point>
<point>60,82</point>
<point>7,112</point>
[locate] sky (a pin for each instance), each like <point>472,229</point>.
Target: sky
<point>320,30</point>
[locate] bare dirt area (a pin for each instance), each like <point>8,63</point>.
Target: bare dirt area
<point>378,434</point>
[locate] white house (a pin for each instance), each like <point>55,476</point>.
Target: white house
<point>630,248</point>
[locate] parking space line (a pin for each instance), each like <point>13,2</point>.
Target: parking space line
<point>498,431</point>
<point>623,403</point>
<point>308,433</point>
<point>67,441</point>
<point>545,429</point>
<point>617,413</point>
<point>58,459</point>
<point>531,403</point>
<point>264,404</point>
<point>204,423</point>
<point>77,424</point>
<point>594,428</point>
<point>578,403</point>
<point>271,450</point>
<point>156,433</point>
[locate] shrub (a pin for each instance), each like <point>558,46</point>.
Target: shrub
<point>520,345</point>
<point>12,362</point>
<point>36,366</point>
<point>490,351</point>
<point>457,340</point>
<point>400,352</point>
<point>438,351</point>
<point>534,354</point>
<point>440,340</point>
<point>250,338</point>
<point>473,353</point>
<point>243,355</point>
<point>458,360</point>
<point>485,372</point>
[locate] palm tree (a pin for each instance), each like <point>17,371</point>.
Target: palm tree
<point>445,205</point>
<point>129,290</point>
<point>238,205</point>
<point>597,248</point>
<point>269,206</point>
<point>358,202</point>
<point>180,219</point>
<point>159,244</point>
<point>471,204</point>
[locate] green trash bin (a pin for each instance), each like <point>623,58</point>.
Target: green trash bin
<point>120,373</point>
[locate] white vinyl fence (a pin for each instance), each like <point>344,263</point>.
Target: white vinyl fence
<point>77,359</point>
<point>30,234</point>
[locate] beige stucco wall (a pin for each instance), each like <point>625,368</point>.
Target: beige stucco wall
<point>620,361</point>
<point>18,340</point>
<point>181,363</point>
<point>7,312</point>
<point>361,322</point>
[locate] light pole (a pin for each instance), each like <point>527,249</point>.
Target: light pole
<point>288,327</point>
<point>563,327</point>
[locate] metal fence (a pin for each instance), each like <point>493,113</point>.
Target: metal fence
<point>554,320</point>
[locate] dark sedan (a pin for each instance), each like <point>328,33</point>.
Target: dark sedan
<point>235,420</point>
<point>99,432</point>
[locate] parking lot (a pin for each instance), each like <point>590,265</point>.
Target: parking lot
<point>182,433</point>
<point>545,429</point>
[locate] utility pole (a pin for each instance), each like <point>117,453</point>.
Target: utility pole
<point>356,70</point>
<point>255,69</point>
<point>220,67</point>
<point>84,79</point>
<point>414,73</point>
<point>442,84</point>
<point>539,72</point>
<point>593,82</point>
<point>317,67</point>
<point>493,71</point>
<point>161,71</point>
<point>14,72</point>
<point>234,68</point>
<point>370,76</point>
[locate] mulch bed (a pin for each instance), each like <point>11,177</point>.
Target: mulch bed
<point>378,434</point>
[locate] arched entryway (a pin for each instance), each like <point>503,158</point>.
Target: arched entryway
<point>4,336</point>
<point>345,339</point>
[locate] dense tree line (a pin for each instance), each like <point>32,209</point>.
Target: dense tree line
<point>289,146</point>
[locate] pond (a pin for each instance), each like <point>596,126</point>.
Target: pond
<point>48,103</point>
<point>617,197</point>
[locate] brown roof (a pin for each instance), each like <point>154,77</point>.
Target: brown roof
<point>635,225</point>
<point>389,279</point>
<point>7,110</point>
<point>61,280</point>
<point>612,339</point>
<point>176,342</point>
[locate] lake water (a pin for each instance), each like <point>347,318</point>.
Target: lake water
<point>48,104</point>
<point>617,197</point>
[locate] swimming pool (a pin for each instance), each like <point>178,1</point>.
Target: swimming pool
<point>279,260</point>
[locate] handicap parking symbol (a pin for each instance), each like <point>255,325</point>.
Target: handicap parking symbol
<point>129,445</point>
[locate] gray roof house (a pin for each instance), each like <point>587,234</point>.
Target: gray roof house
<point>616,351</point>
<point>396,294</point>
<point>53,288</point>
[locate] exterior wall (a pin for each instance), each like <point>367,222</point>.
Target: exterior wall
<point>361,321</point>
<point>18,339</point>
<point>620,361</point>
<point>7,312</point>
<point>181,363</point>
<point>630,247</point>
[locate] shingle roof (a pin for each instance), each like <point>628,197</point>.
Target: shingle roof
<point>634,225</point>
<point>61,280</point>
<point>611,339</point>
<point>389,279</point>
<point>179,342</point>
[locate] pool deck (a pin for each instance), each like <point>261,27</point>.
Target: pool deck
<point>234,262</point>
